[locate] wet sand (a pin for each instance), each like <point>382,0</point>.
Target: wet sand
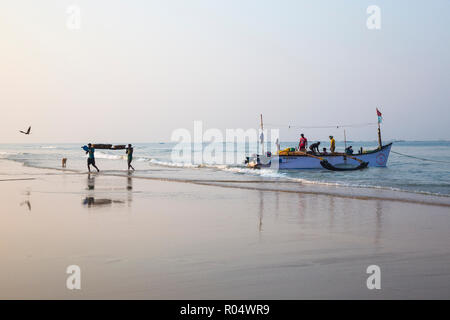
<point>149,239</point>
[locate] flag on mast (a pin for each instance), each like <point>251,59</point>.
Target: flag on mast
<point>380,117</point>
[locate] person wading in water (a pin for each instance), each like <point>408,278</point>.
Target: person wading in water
<point>129,153</point>
<point>91,158</point>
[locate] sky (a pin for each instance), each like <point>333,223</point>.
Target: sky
<point>135,71</point>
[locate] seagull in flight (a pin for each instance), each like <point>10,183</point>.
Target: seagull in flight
<point>27,132</point>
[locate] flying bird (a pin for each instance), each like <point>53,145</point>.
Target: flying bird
<point>27,132</point>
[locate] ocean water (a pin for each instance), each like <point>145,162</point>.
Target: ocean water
<point>159,160</point>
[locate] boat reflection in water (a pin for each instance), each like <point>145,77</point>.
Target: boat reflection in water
<point>91,201</point>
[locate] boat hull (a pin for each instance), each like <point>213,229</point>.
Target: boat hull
<point>375,158</point>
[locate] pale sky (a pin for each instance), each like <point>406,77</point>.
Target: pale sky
<point>138,69</point>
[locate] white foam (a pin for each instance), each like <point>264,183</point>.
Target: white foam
<point>6,154</point>
<point>260,172</point>
<point>101,155</point>
<point>142,159</point>
<point>174,164</point>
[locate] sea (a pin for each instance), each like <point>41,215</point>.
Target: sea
<point>414,167</point>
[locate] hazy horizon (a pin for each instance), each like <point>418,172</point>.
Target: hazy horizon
<point>134,143</point>
<point>137,71</point>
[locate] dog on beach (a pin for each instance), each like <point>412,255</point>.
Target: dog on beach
<point>64,162</point>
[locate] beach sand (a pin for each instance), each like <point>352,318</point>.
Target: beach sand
<point>148,239</point>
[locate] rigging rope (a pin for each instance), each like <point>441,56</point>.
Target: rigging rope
<point>323,127</point>
<point>407,155</point>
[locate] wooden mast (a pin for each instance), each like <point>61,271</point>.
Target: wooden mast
<point>379,135</point>
<point>345,147</point>
<point>345,141</point>
<point>380,145</point>
<point>262,135</point>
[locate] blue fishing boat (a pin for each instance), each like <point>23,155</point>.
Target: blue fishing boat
<point>291,158</point>
<point>300,160</point>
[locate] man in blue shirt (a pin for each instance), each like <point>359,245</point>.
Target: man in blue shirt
<point>91,158</point>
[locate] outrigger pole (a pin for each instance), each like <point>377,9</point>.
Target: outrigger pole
<point>325,164</point>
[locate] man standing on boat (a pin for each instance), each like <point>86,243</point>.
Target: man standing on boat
<point>332,144</point>
<point>315,147</point>
<point>303,143</point>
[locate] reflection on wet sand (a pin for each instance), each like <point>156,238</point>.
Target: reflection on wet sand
<point>261,210</point>
<point>277,203</point>
<point>379,221</point>
<point>129,183</point>
<point>214,232</point>
<point>130,189</point>
<point>301,208</point>
<point>91,201</point>
<point>332,211</point>
<point>91,182</point>
<point>338,216</point>
<point>27,203</point>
